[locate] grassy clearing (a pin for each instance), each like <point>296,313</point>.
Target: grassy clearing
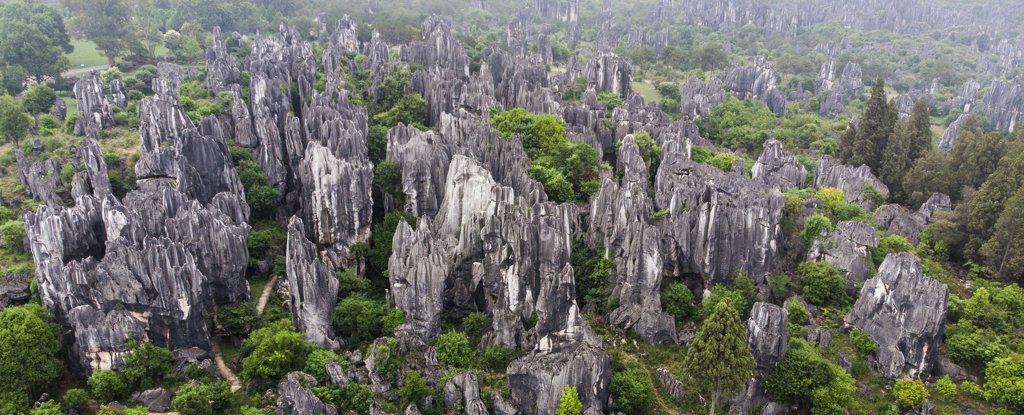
<point>85,54</point>
<point>648,91</point>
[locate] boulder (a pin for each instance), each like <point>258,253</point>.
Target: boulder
<point>673,386</point>
<point>697,97</point>
<point>904,311</point>
<point>295,396</point>
<point>155,400</point>
<point>463,392</point>
<point>897,220</point>
<point>118,93</point>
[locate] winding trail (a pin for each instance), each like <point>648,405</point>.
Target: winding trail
<point>265,295</point>
<point>218,356</point>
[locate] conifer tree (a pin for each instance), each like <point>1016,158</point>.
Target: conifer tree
<point>896,159</point>
<point>874,130</point>
<point>718,364</point>
<point>846,143</point>
<point>988,203</point>
<point>976,154</point>
<point>1004,252</point>
<point>570,403</point>
<point>920,130</point>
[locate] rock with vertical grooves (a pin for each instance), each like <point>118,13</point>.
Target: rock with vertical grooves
<point>344,40</point>
<point>337,201</point>
<point>847,248</point>
<point>837,89</point>
<point>767,335</point>
<point>418,270</point>
<point>673,386</point>
<point>897,220</point>
<point>95,113</point>
<point>854,182</point>
<point>697,97</point>
<point>91,159</point>
<point>776,168</point>
<point>440,48</point>
<point>295,397</point>
<point>1004,104</point>
<point>60,109</point>
<point>118,93</point>
<point>313,288</point>
<point>41,180</point>
<point>952,132</point>
<point>221,68</point>
<point>904,311</point>
<point>463,392</point>
<point>758,81</point>
<point>423,159</point>
<point>611,73</point>
<point>716,224</point>
<point>244,134</point>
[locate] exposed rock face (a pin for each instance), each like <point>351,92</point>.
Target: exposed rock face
<point>838,89</point>
<point>423,158</point>
<point>440,48</point>
<point>221,68</point>
<point>118,93</point>
<point>767,335</point>
<point>41,180</point>
<point>620,218</point>
<point>897,220</point>
<point>717,223</point>
<point>518,83</point>
<point>295,397</point>
<point>756,82</point>
<point>609,72</point>
<point>1004,104</point>
<point>952,132</point>
<point>463,392</point>
<point>95,113</point>
<point>699,97</point>
<point>776,168</point>
<point>60,109</point>
<point>345,39</point>
<point>156,400</point>
<point>905,312</point>
<point>847,248</point>
<point>418,270</point>
<point>313,289</point>
<point>852,181</point>
<point>14,289</point>
<point>673,386</point>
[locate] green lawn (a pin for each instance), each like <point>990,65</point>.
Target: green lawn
<point>648,91</point>
<point>85,54</point>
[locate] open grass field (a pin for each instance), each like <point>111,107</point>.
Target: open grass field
<point>85,54</point>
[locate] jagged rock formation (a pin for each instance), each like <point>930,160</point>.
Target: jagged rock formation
<point>776,168</point>
<point>847,248</point>
<point>313,289</point>
<point>952,132</point>
<point>854,182</point>
<point>904,311</point>
<point>463,392</point>
<point>221,68</point>
<point>518,83</point>
<point>716,223</point>
<point>150,266</point>
<point>440,48</point>
<point>118,93</point>
<point>611,73</point>
<point>423,159</point>
<point>673,386</point>
<point>756,82</point>
<point>345,39</point>
<point>699,97</point>
<point>837,90</point>
<point>60,109</point>
<point>41,180</point>
<point>95,113</point>
<point>418,271</point>
<point>295,397</point>
<point>620,218</point>
<point>1004,104</point>
<point>897,220</point>
<point>155,400</point>
<point>767,335</point>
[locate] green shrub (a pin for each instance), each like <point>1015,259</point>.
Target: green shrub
<point>146,365</point>
<point>823,284</point>
<point>49,121</point>
<point>497,358</point>
<point>361,319</point>
<point>1004,381</point>
<point>75,398</point>
<point>797,313</point>
<point>190,400</point>
<point>862,343</point>
<point>273,351</point>
<point>453,349</point>
<point>724,161</point>
<point>357,397</point>
<point>239,319</point>
<point>316,363</point>
<point>12,235</point>
<point>909,393</point>
<point>414,388</point>
<point>972,389</point>
<point>632,390</point>
<point>945,388</point>
<point>817,226</point>
<point>570,402</point>
<point>677,301</point>
<point>475,325</point>
<point>50,407</point>
<point>351,284</point>
<point>718,293</point>
<point>106,386</point>
<point>890,244</point>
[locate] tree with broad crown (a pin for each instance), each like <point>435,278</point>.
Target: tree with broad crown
<point>718,363</point>
<point>874,130</point>
<point>14,122</point>
<point>570,403</point>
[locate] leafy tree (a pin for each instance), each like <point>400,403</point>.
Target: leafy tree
<point>39,99</point>
<point>717,363</point>
<point>12,235</point>
<point>632,390</point>
<point>106,385</point>
<point>817,227</point>
<point>909,393</point>
<point>359,318</point>
<point>740,124</point>
<point>414,388</point>
<point>28,350</point>
<point>352,284</point>
<point>797,315</point>
<point>387,182</point>
<point>13,121</point>
<point>475,325</point>
<point>712,56</point>
<point>931,173</point>
<point>25,46</point>
<point>357,397</point>
<point>920,131</point>
<point>190,400</point>
<point>239,319</point>
<point>823,284</point>
<point>677,301</point>
<point>975,155</point>
<point>316,363</point>
<point>874,130</point>
<point>453,349</point>
<point>592,270</point>
<point>380,245</point>
<point>890,244</point>
<point>105,22</point>
<point>76,398</point>
<point>1004,381</point>
<point>720,293</point>
<point>44,18</point>
<point>805,378</point>
<point>1004,251</point>
<point>570,403</point>
<point>50,407</point>
<point>497,358</point>
<point>410,110</point>
<point>146,365</point>
<point>945,388</point>
<point>273,351</point>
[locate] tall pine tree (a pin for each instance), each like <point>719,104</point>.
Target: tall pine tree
<point>896,159</point>
<point>1004,252</point>
<point>846,143</point>
<point>976,154</point>
<point>718,364</point>
<point>988,203</point>
<point>874,130</point>
<point>920,131</point>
